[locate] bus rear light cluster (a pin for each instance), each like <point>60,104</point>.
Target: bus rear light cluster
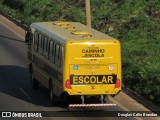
<point>68,84</point>
<point>118,84</point>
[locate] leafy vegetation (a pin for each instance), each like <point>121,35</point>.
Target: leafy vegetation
<point>136,23</point>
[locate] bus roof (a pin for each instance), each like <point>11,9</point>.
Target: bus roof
<point>63,31</point>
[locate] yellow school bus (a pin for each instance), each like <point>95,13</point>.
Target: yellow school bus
<point>71,59</point>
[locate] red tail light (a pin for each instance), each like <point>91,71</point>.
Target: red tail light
<point>118,83</point>
<point>68,84</point>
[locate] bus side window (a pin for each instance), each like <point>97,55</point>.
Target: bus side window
<point>45,51</point>
<point>36,41</point>
<point>41,43</point>
<point>51,52</point>
<point>57,55</point>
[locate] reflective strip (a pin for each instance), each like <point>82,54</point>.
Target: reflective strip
<point>91,105</point>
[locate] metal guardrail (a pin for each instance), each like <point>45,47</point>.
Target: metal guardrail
<point>17,22</point>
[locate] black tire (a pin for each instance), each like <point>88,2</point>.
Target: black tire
<point>34,82</point>
<point>64,100</point>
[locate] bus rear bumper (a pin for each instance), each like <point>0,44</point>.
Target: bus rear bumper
<point>92,105</point>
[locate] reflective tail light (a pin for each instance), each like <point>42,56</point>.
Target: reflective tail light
<point>118,84</point>
<point>68,84</point>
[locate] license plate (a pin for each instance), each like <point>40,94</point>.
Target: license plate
<point>92,79</point>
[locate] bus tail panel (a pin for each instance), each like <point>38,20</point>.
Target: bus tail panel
<point>94,67</point>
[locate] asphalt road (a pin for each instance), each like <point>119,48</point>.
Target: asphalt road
<point>16,93</point>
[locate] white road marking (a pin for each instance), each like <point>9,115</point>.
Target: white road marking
<point>25,93</point>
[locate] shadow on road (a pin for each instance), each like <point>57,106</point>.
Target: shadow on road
<point>15,82</point>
